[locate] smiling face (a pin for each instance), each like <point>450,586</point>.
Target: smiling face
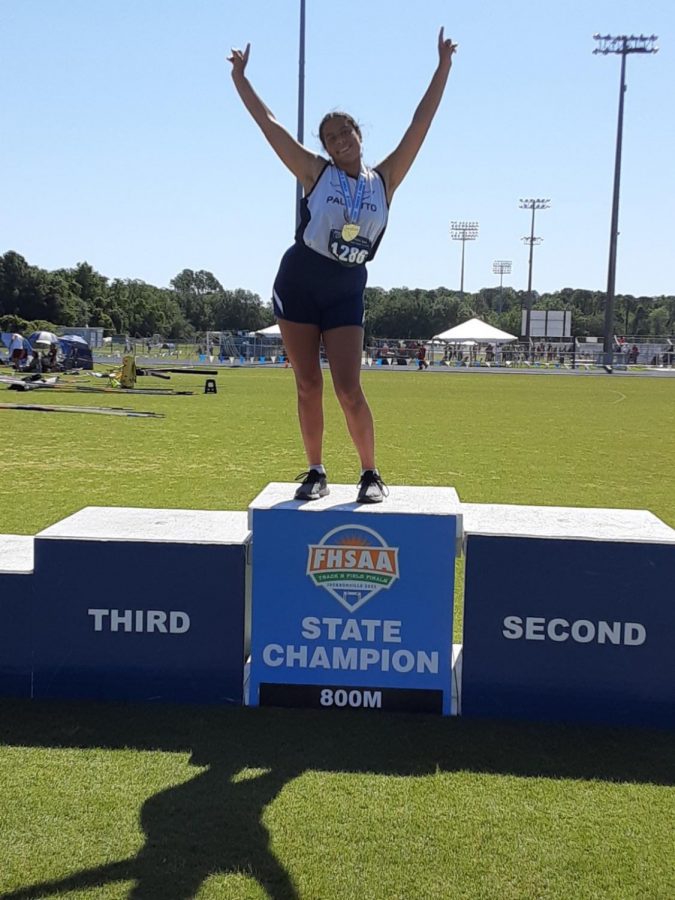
<point>341,137</point>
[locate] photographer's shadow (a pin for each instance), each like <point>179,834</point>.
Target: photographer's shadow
<point>213,823</point>
<point>210,824</point>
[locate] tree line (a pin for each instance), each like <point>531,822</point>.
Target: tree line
<point>32,298</point>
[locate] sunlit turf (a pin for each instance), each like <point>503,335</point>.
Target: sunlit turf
<point>112,801</point>
<point>552,440</point>
<point>98,801</point>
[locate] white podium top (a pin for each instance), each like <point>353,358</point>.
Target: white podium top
<point>16,554</point>
<point>402,499</point>
<point>171,526</point>
<point>566,523</point>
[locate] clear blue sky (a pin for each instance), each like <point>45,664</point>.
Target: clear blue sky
<point>123,142</point>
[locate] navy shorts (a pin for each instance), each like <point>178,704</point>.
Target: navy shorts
<point>314,290</point>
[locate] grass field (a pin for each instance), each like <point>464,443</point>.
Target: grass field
<point>122,801</point>
<point>573,441</point>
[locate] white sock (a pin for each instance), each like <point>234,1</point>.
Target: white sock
<point>375,470</point>
<point>320,469</point>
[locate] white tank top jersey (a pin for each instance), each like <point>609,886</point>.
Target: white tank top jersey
<point>323,215</point>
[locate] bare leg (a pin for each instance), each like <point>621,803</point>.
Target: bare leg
<point>302,346</point>
<point>344,347</point>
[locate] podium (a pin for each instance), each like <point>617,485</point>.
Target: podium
<point>141,604</point>
<point>16,569</point>
<point>569,615</point>
<point>352,603</point>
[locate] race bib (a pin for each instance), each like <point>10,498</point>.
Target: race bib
<point>349,253</point>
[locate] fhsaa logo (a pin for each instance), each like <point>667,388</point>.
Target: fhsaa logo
<point>352,563</point>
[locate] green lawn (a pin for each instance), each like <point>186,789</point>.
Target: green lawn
<point>114,801</point>
<point>573,441</point>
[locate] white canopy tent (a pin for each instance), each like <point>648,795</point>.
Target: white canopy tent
<point>475,330</point>
<point>270,331</point>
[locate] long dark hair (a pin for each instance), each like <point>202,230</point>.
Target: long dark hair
<point>341,115</point>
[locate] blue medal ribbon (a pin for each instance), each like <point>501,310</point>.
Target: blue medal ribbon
<point>352,204</point>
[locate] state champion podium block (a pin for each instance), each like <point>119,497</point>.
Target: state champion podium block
<point>569,615</point>
<point>16,569</point>
<point>142,604</point>
<point>352,603</point>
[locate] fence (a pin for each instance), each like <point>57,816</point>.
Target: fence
<point>547,354</point>
<point>253,349</point>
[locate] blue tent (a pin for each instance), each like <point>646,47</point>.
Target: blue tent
<point>11,339</point>
<point>76,352</point>
<point>7,336</point>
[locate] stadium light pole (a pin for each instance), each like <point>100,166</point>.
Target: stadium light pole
<point>463,231</point>
<point>301,106</point>
<point>622,44</point>
<point>532,241</point>
<point>501,267</point>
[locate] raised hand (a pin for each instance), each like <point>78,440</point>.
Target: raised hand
<point>239,59</point>
<point>446,48</point>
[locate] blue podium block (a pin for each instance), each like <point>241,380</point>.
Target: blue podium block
<point>142,604</point>
<point>16,596</point>
<point>569,615</point>
<point>352,604</point>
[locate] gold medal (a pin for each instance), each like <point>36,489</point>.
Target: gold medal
<point>349,231</point>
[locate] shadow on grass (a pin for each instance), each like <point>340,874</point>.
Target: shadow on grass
<point>213,823</point>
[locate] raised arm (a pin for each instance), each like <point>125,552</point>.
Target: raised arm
<point>305,165</point>
<point>395,167</point>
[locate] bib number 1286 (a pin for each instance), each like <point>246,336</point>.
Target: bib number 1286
<point>354,253</point>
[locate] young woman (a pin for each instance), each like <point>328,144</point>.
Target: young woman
<point>318,291</point>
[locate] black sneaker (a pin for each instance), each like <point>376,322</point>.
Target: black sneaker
<point>314,485</point>
<point>371,488</point>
